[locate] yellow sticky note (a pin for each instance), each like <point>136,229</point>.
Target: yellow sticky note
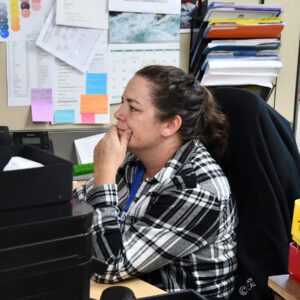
<point>296,222</point>
<point>97,104</point>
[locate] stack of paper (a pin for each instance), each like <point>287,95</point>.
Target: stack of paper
<point>85,148</point>
<point>238,46</point>
<point>241,62</point>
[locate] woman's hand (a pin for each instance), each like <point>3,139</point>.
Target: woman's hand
<point>109,154</point>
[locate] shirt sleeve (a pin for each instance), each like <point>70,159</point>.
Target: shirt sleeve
<point>175,224</point>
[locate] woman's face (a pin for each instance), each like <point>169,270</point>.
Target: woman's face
<point>138,114</point>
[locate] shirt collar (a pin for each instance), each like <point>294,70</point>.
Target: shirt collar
<point>173,165</point>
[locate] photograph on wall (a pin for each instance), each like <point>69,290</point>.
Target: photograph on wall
<point>127,28</point>
<point>188,9</point>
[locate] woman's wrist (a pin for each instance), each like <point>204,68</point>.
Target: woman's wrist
<point>104,176</point>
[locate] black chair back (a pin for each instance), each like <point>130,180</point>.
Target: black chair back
<point>263,169</point>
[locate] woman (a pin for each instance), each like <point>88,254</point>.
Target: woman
<point>163,209</point>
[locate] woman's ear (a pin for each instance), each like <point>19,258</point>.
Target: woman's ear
<point>171,126</point>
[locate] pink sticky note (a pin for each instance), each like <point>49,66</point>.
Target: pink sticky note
<point>41,105</point>
<point>88,118</point>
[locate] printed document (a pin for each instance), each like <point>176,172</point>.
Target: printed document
<point>146,6</point>
<point>75,46</point>
<point>91,13</point>
<point>85,148</point>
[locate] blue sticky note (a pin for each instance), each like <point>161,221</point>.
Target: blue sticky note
<point>64,116</point>
<point>96,83</point>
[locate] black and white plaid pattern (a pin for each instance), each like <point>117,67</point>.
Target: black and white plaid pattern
<point>180,226</point>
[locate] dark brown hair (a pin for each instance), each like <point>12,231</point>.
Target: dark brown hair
<point>177,93</point>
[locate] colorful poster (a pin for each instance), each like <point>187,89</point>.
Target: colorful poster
<point>22,20</point>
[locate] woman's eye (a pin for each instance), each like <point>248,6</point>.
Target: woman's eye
<point>131,108</point>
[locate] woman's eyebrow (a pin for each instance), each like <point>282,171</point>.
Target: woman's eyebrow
<point>133,101</point>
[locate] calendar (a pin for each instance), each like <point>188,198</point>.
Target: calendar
<point>126,59</point>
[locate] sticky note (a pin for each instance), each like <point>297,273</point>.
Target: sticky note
<point>64,116</point>
<point>41,105</point>
<point>97,104</point>
<point>88,118</point>
<point>96,83</point>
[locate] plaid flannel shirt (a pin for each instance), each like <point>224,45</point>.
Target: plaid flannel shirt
<point>179,230</point>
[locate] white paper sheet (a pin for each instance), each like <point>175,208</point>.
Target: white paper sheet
<point>146,6</point>
<point>91,13</point>
<point>41,66</point>
<point>20,163</point>
<point>17,79</point>
<point>70,84</point>
<point>125,60</point>
<point>85,148</point>
<point>258,63</point>
<point>27,67</point>
<point>232,80</point>
<point>75,46</point>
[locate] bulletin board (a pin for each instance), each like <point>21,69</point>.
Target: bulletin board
<point>19,118</point>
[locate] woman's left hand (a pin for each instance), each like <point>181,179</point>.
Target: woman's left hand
<point>109,154</point>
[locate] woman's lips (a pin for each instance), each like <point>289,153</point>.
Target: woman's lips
<point>120,131</point>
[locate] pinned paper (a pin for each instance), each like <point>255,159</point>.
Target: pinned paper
<point>97,104</point>
<point>64,116</point>
<point>96,83</point>
<point>41,105</point>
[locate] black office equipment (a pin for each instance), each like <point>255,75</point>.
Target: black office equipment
<point>39,139</point>
<point>51,183</point>
<point>124,293</point>
<point>46,255</point>
<point>186,295</point>
<point>5,138</point>
<point>117,292</point>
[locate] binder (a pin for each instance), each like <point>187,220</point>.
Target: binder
<point>229,30</point>
<point>231,34</point>
<point>246,11</point>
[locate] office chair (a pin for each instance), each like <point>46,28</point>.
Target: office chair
<point>263,169</point>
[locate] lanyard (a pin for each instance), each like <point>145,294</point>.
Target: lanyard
<point>137,179</point>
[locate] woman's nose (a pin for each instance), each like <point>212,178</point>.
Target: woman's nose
<point>120,113</point>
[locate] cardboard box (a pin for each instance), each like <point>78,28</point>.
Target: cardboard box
<point>37,186</point>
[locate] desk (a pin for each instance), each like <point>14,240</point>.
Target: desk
<point>139,287</point>
<point>284,287</point>
<point>77,184</point>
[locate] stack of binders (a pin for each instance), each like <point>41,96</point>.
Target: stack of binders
<point>238,45</point>
<point>45,246</point>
